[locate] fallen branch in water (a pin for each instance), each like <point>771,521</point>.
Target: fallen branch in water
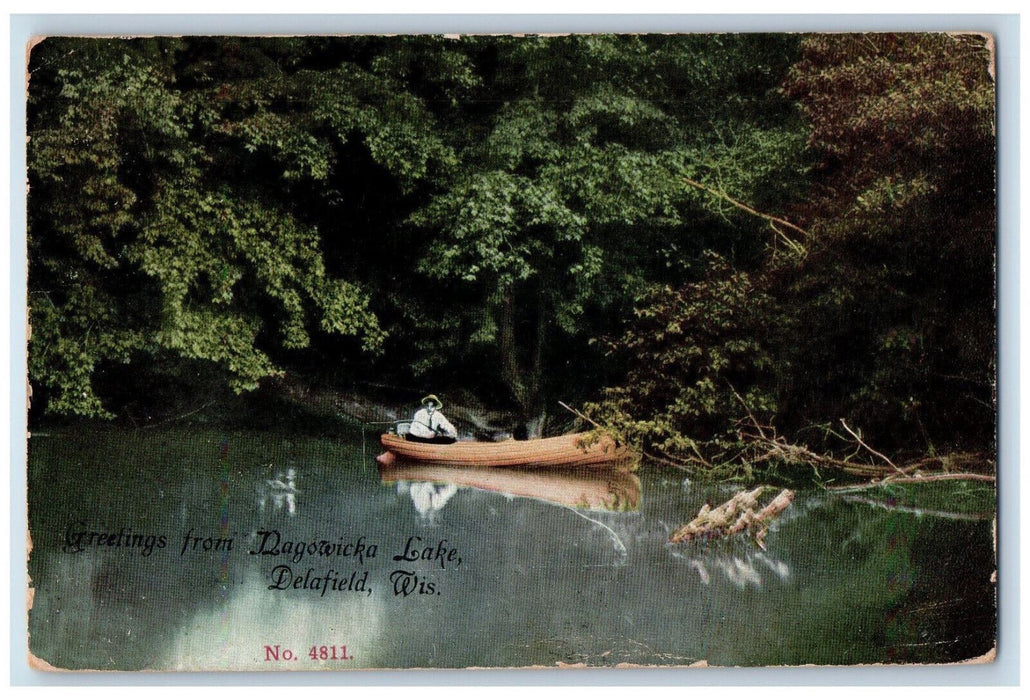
<point>735,516</point>
<point>774,448</point>
<point>953,467</point>
<point>938,477</point>
<point>757,444</point>
<point>777,449</point>
<point>915,479</point>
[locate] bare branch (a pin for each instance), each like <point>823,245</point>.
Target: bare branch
<point>740,205</point>
<point>862,443</point>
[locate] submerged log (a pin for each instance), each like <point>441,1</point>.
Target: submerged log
<point>734,516</point>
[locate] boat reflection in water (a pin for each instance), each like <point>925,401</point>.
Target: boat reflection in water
<point>431,486</point>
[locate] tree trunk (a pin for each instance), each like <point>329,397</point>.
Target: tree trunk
<point>524,380</point>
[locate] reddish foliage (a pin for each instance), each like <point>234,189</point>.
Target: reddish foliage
<point>895,108</point>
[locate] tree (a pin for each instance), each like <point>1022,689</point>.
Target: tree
<point>882,311</point>
<point>898,288</point>
<point>474,209</point>
<point>568,196</point>
<point>689,348</point>
<point>162,231</point>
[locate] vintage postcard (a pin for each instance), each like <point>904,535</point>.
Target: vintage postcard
<point>511,351</point>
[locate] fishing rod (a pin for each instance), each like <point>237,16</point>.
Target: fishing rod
<point>365,424</point>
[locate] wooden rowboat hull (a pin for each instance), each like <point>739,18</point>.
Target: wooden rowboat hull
<point>562,452</point>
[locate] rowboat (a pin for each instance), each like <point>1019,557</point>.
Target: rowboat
<point>593,489</point>
<point>575,451</point>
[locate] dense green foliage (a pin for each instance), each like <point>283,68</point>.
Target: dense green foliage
<point>474,214</point>
<point>477,208</point>
<point>156,240</point>
<point>570,200</point>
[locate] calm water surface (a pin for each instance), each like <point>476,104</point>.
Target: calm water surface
<point>132,565</point>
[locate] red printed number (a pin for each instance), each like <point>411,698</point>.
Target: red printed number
<point>329,653</point>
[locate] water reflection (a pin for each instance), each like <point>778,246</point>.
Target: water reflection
<point>557,568</point>
<point>252,630</point>
<point>427,497</point>
<point>279,492</point>
<point>587,489</point>
<point>620,547</point>
<point>750,569</point>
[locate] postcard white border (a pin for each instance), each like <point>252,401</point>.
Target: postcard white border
<point>1004,672</point>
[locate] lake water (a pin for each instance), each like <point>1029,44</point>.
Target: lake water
<point>206,550</point>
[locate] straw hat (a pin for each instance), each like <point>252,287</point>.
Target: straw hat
<point>432,398</point>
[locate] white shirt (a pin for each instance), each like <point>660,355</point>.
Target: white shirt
<point>426,424</point>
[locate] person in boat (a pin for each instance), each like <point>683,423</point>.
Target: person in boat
<point>430,425</point>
